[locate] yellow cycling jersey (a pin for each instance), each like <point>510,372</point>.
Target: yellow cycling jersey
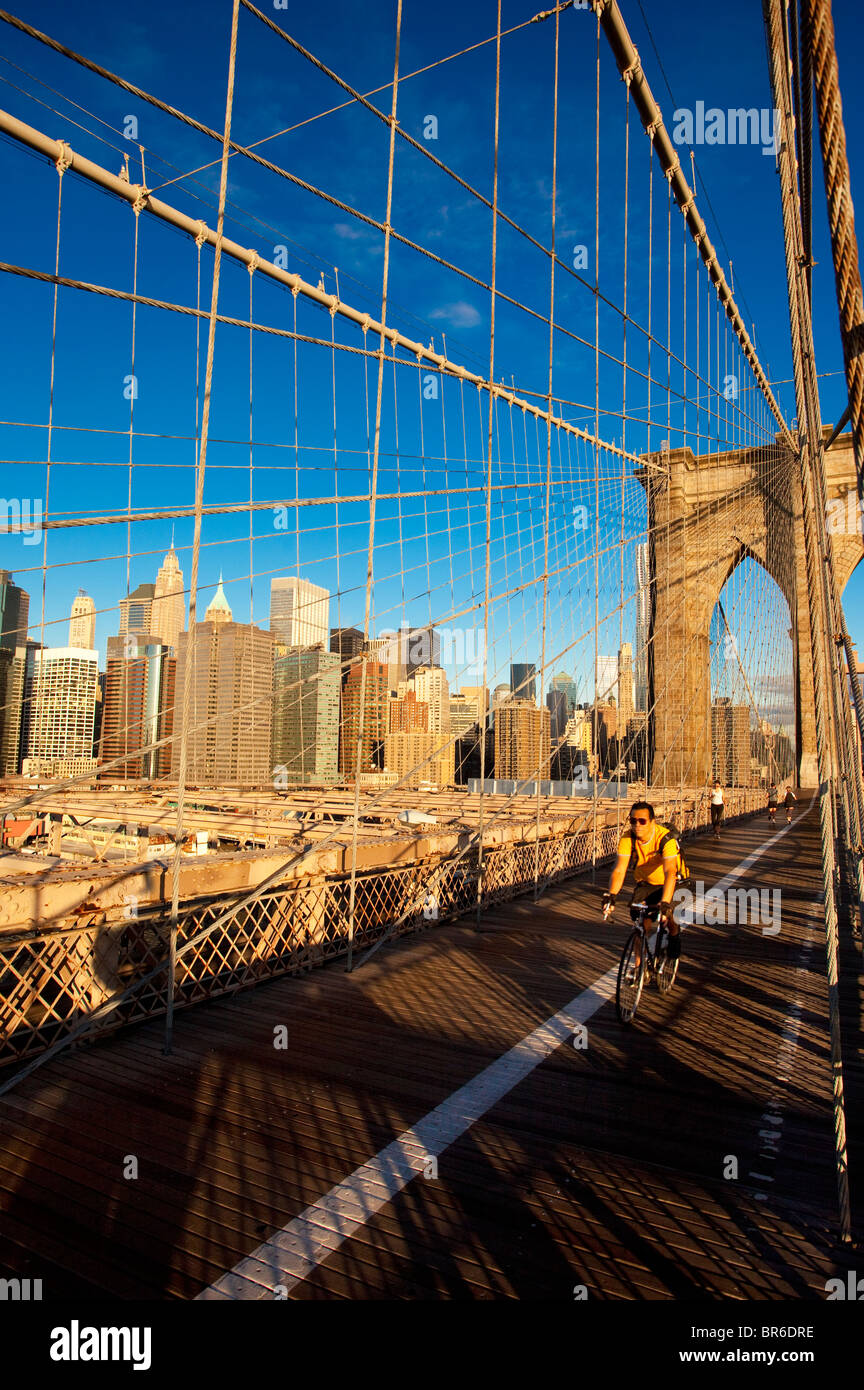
<point>650,862</point>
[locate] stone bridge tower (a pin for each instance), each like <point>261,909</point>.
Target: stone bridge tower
<point>705,515</point>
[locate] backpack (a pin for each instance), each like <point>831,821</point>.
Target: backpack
<point>671,834</point>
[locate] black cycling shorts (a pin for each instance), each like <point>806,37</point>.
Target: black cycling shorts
<point>653,896</point>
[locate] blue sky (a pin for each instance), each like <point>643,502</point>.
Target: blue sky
<point>429,552</point>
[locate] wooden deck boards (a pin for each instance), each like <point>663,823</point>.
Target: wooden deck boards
<point>604,1167</point>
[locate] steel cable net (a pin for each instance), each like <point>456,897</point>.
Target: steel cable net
<point>444,517</point>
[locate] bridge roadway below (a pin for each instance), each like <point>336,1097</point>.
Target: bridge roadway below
<point>602,1167</point>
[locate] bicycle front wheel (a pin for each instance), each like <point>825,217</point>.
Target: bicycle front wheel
<point>631,977</point>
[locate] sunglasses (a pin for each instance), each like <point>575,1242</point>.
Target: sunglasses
<point>638,820</point>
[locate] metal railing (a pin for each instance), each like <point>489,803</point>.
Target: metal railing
<point>108,970</point>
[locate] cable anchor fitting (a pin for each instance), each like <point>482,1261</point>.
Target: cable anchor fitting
<point>652,128</point>
<point>64,158</point>
<point>634,70</point>
<point>141,197</point>
<point>253,263</point>
<point>547,14</point>
<point>201,238</point>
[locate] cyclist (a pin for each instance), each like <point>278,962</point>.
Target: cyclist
<point>772,804</point>
<point>789,801</point>
<point>716,807</point>
<point>655,868</point>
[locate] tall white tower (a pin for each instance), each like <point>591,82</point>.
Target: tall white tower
<point>299,613</point>
<point>82,622</point>
<point>168,618</point>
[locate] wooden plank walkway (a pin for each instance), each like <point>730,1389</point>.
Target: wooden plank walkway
<point>603,1168</point>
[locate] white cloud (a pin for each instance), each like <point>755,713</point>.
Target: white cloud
<point>461,314</point>
<point>350,231</point>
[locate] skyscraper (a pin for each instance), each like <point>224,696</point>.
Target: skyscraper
<point>625,686</point>
<point>136,610</point>
<point>299,612</point>
<point>643,620</point>
<point>523,681</point>
<point>606,678</point>
<point>578,737</point>
<point>14,614</point>
<point>388,650</point>
<point>408,715</point>
<point>464,715</point>
<point>570,689</point>
<point>229,725</point>
<point>138,708</point>
<point>347,642</point>
<point>416,757</point>
<point>60,740</point>
<point>169,603</point>
<point>521,741</point>
<point>421,646</point>
<point>730,738</point>
<point>219,609</point>
<point>305,738</point>
<point>17,701</point>
<point>82,622</point>
<point>479,696</point>
<point>374,691</point>
<point>432,688</point>
<point>556,703</point>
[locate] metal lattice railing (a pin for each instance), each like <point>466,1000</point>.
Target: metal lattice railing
<point>53,982</point>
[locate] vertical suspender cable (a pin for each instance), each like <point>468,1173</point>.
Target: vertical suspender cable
<point>485,686</point>
<point>196,538</point>
<point>376,447</point>
<point>542,722</point>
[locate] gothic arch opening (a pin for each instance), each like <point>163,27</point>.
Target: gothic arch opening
<point>752,675</point>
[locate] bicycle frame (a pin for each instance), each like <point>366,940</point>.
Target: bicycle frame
<point>653,964</point>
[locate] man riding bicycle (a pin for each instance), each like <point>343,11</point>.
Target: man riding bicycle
<point>653,851</point>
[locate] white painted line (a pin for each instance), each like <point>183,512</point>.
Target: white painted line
<point>291,1255</point>
<point>723,883</point>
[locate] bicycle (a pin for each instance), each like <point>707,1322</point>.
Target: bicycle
<point>639,960</point>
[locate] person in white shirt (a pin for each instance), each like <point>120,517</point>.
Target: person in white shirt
<point>716,808</point>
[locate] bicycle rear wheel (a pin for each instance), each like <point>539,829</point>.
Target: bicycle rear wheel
<point>665,969</point>
<point>631,976</point>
